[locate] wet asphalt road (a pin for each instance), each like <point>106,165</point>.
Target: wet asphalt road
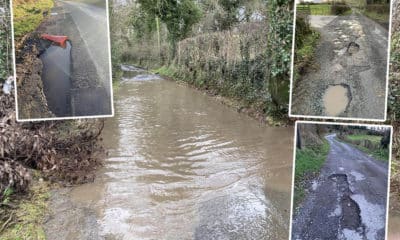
<point>91,22</point>
<point>348,200</point>
<point>86,27</point>
<point>362,71</point>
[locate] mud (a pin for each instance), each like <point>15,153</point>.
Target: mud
<point>394,223</point>
<point>336,99</point>
<point>32,102</point>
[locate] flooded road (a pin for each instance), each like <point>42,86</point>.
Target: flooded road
<point>394,223</point>
<point>182,166</point>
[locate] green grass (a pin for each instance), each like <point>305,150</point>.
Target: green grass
<point>379,154</point>
<point>309,162</point>
<point>28,15</point>
<point>29,215</point>
<point>305,53</point>
<point>372,138</point>
<point>315,9</point>
<point>168,71</point>
<point>320,9</point>
<point>378,17</point>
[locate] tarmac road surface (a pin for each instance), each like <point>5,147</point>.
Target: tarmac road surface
<point>91,21</point>
<point>348,199</point>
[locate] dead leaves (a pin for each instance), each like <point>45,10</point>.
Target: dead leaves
<point>64,150</point>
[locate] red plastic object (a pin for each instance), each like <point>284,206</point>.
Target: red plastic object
<point>57,39</point>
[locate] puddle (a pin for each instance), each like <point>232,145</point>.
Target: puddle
<point>56,78</point>
<point>372,215</point>
<point>336,99</point>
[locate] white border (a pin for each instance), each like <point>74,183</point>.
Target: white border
<point>340,118</point>
<point>62,118</point>
<point>343,124</point>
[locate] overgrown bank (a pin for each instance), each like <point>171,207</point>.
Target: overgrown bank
<point>372,144</point>
<point>394,106</point>
<point>60,151</point>
<point>238,49</point>
<point>311,152</point>
<point>306,41</point>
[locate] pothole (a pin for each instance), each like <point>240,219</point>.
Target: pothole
<point>352,48</point>
<point>336,99</point>
<point>350,214</point>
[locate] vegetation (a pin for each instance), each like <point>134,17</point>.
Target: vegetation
<point>370,144</point>
<point>5,42</point>
<point>28,14</point>
<point>379,13</point>
<point>26,219</point>
<point>234,48</point>
<point>309,162</point>
<point>323,8</point>
<point>305,46</point>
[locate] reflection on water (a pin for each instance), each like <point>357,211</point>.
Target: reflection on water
<point>182,166</point>
<point>56,78</point>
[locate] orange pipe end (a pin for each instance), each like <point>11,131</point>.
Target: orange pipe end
<point>61,40</point>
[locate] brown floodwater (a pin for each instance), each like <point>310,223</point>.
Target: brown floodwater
<point>336,100</point>
<point>183,166</point>
<point>394,223</point>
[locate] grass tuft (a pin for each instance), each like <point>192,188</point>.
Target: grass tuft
<point>309,162</point>
<point>29,14</point>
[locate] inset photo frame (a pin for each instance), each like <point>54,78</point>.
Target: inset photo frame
<point>62,59</point>
<point>341,176</point>
<point>340,60</point>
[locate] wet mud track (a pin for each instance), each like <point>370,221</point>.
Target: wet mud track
<point>348,200</point>
<point>352,53</point>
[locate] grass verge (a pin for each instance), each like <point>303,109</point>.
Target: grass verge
<point>378,153</point>
<point>25,220</point>
<point>309,162</point>
<point>29,14</point>
<point>306,42</point>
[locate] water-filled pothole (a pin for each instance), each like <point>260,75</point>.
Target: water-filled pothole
<point>336,99</point>
<point>56,78</point>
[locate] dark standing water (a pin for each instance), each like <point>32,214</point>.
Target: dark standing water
<point>56,79</point>
<point>182,166</point>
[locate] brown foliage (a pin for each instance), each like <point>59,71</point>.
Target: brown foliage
<point>62,150</point>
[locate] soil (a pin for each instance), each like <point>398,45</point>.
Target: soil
<point>32,102</point>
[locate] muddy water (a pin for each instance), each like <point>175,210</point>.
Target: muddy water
<point>183,166</point>
<point>394,223</point>
<point>56,78</point>
<point>335,100</point>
